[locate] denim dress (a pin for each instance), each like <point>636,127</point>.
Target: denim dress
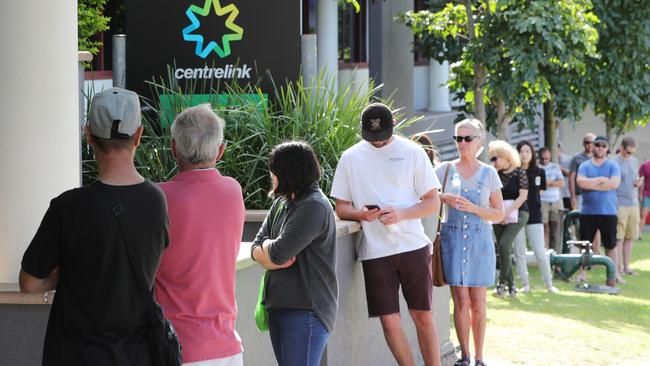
<point>467,245</point>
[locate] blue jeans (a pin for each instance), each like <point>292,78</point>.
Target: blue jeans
<point>298,337</point>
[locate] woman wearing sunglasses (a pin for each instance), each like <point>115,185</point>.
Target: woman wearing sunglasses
<point>466,236</point>
<point>505,160</point>
<point>534,229</point>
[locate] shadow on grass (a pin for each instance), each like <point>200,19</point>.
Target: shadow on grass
<point>628,309</point>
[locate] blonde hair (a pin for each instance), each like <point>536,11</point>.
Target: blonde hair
<point>506,151</point>
<point>476,126</point>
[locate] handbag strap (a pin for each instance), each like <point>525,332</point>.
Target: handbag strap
<point>118,210</point>
<point>444,183</point>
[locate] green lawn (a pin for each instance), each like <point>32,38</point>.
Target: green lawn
<point>572,328</point>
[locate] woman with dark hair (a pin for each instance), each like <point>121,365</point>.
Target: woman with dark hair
<point>534,229</point>
<point>296,243</point>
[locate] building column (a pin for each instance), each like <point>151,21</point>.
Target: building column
<point>39,142</point>
<point>390,52</point>
<point>327,38</point>
<point>438,89</point>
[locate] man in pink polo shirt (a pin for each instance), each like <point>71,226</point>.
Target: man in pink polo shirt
<point>195,283</point>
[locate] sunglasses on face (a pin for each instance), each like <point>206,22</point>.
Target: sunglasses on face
<point>467,138</point>
<point>600,145</point>
<point>493,159</point>
<point>587,142</point>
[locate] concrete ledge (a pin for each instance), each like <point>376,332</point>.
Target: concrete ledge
<point>343,228</point>
<point>256,215</point>
<point>84,56</point>
<point>10,294</point>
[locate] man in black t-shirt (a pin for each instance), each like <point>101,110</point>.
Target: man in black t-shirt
<point>97,317</point>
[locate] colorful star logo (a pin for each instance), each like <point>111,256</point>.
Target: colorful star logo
<point>224,49</point>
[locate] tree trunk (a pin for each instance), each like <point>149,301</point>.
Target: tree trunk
<point>609,133</point>
<point>550,128</point>
<point>503,121</point>
<point>479,70</point>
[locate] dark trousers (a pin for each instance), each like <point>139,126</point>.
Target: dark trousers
<point>505,236</point>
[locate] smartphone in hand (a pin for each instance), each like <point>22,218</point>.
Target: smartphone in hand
<point>372,207</point>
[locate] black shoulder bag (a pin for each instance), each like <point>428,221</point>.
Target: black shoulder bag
<point>160,333</point>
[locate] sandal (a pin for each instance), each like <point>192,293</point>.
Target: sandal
<point>463,361</point>
<point>479,363</point>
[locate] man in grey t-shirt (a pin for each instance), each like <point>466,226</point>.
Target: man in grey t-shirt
<point>627,196</point>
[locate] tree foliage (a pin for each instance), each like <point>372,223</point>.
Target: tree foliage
<point>530,51</point>
<point>91,20</point>
<point>620,79</point>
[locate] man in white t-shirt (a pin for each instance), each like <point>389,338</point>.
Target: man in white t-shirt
<point>388,184</point>
<point>551,199</point>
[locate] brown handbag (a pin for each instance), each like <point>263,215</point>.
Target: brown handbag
<point>437,272</point>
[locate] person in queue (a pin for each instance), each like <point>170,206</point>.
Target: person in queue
<point>195,283</point>
<point>599,177</point>
<point>81,249</point>
<point>534,229</point>
<point>466,239</point>
<point>386,182</point>
<point>505,160</point>
<point>551,200</point>
<point>297,246</point>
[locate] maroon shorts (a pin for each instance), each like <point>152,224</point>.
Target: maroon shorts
<point>383,277</point>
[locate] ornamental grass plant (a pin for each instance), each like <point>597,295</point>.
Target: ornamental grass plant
<point>255,123</point>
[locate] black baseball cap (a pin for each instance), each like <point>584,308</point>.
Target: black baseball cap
<point>601,138</point>
<point>376,122</point>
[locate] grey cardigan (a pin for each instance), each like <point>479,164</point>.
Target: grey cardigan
<point>304,228</point>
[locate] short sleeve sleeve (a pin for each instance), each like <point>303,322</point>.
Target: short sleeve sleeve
<point>43,253</point>
<point>558,172</point>
<point>615,170</point>
<point>494,181</point>
<point>522,178</point>
<point>573,165</point>
<point>340,183</point>
<point>582,170</point>
<point>425,176</point>
<point>440,172</point>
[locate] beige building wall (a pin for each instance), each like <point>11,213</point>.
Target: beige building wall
<point>39,100</point>
<point>571,135</point>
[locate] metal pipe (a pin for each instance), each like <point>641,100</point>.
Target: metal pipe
<point>119,60</point>
<point>608,263</point>
<point>570,264</point>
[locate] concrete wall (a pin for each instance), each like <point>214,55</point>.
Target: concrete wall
<point>22,332</point>
<point>390,51</point>
<point>356,339</point>
<point>421,87</point>
<point>39,142</point>
<point>571,135</point>
<point>355,77</point>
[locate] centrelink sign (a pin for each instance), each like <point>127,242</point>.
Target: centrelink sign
<point>211,42</point>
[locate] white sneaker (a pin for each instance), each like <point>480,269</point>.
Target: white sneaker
<point>620,280</point>
<point>525,289</point>
<point>552,289</point>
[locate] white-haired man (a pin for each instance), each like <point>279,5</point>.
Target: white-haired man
<point>196,281</point>
<point>85,253</point>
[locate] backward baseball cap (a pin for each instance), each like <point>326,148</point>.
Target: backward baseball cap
<point>114,105</point>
